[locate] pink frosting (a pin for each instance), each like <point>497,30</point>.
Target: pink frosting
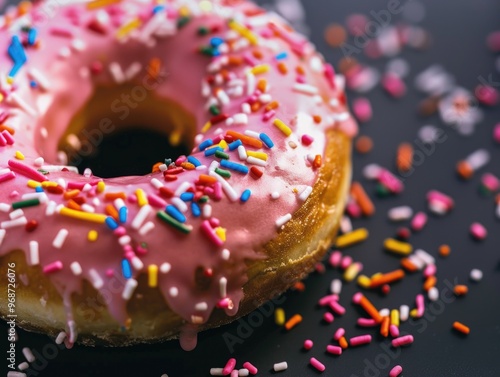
<point>59,77</point>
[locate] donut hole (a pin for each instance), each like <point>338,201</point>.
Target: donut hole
<point>121,131</point>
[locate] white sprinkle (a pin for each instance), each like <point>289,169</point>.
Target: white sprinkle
<point>372,171</point>
<point>183,187</point>
<point>60,238</point>
<point>385,312</point>
<point>65,52</point>
<point>41,196</point>
<point>97,281</point>
<point>251,83</point>
<point>156,183</point>
<point>345,224</point>
<point>256,161</point>
<point>16,214</point>
<point>305,89</point>
<point>201,307</point>
<point>21,103</point>
<point>174,292</point>
<point>124,240</point>
<point>128,291</point>
<point>401,213</point>
<point>165,268</point>
<point>425,257</point>
<point>336,286</point>
<point>275,195</point>
<point>316,64</point>
<point>223,97</point>
<point>117,73</point>
<point>226,254</point>
<point>216,371</point>
<point>283,220</point>
<point>132,70</point>
<point>242,153</point>
<point>40,79</point>
<point>223,287</point>
<point>60,337</point>
<point>4,207</point>
<point>433,294</point>
<point>240,119</point>
<point>141,216</point>
<point>23,366</point>
<point>305,194</point>
<point>245,107</point>
<point>404,312</point>
<point>51,208</point>
<point>58,168</point>
<point>243,372</point>
<point>419,263</point>
<point>253,134</point>
<point>137,263</point>
<point>265,98</point>
<point>478,159</point>
<point>78,44</point>
<point>230,192</point>
<point>180,204</point>
<point>20,221</point>
<point>34,253</point>
<point>207,211</point>
<point>146,228</point>
<point>279,367</point>
<point>87,208</point>
<point>28,354</point>
<point>476,275</point>
<point>76,269</point>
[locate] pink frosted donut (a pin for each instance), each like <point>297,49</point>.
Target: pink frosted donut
<point>205,237</point>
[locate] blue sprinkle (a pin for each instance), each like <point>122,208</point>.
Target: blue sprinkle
<point>234,166</point>
<point>32,37</point>
<point>175,213</point>
<point>205,144</point>
<point>246,195</point>
<point>211,151</point>
<point>235,144</point>
<point>187,196</point>
<point>123,213</point>
<point>17,54</point>
<point>216,41</point>
<point>111,223</point>
<point>126,269</point>
<point>39,189</point>
<point>266,140</point>
<point>168,161</point>
<point>194,161</point>
<point>282,55</point>
<point>33,84</point>
<point>195,209</point>
<point>158,8</point>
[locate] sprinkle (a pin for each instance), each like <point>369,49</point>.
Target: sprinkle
<point>266,140</point>
<point>478,231</point>
<point>362,199</point>
<point>26,171</point>
<point>96,279</point>
<point>361,300</point>
<point>33,247</point>
<point>404,159</point>
<point>234,166</point>
<point>247,140</point>
<point>251,368</point>
<point>245,195</point>
<point>402,341</point>
<point>444,250</point>
<point>317,364</point>
<point>460,327</point>
<point>53,267</point>
<point>400,213</point>
<point>282,127</point>
<point>476,275</point>
<point>244,32</point>
<point>418,222</point>
<point>228,189</point>
<point>293,321</point>
<point>26,203</point>
<point>360,340</point>
<point>174,223</point>
<point>229,367</point>
<point>76,268</point>
<point>460,290</point>
<point>397,247</point>
<point>305,89</point>
<point>279,367</point>
<point>352,238</point>
<point>20,221</point>
<point>283,220</point>
<point>28,355</point>
<point>175,213</point>
<point>60,238</point>
<point>141,216</point>
<point>129,289</point>
<point>396,371</point>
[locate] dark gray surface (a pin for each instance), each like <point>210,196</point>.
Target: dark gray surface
<point>458,30</point>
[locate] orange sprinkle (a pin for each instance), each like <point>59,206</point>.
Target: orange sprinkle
<point>444,250</point>
<point>156,167</point>
<point>408,265</point>
<point>23,7</point>
<point>429,283</point>
<point>248,140</point>
<point>256,172</point>
<point>300,70</point>
<point>343,343</point>
<point>257,54</point>
<point>282,68</point>
<point>460,327</point>
<point>115,195</point>
<point>317,119</point>
<point>384,327</point>
<point>362,199</point>
<point>317,161</point>
<point>364,144</point>
<point>404,160</point>
<point>235,60</point>
<point>387,278</point>
<point>206,179</point>
<point>71,194</point>
<point>460,290</point>
<point>10,130</point>
<point>188,166</point>
<point>262,85</point>
<point>256,107</point>
<point>272,106</point>
<point>370,309</point>
<point>299,286</point>
<point>292,322</point>
<point>464,170</point>
<point>73,205</point>
<point>111,211</point>
<point>154,68</point>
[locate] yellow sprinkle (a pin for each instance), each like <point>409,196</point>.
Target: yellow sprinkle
<point>282,127</point>
<point>206,127</point>
<point>351,272</point>
<point>376,275</point>
<point>206,6</point>
<point>1,97</point>
<point>414,313</point>
<point>49,184</point>
<point>152,275</point>
<point>87,216</point>
<point>295,190</point>
<point>19,155</point>
<point>395,317</point>
<point>259,155</point>
<point>184,11</point>
<point>175,138</point>
<point>221,233</point>
<point>128,323</point>
<point>260,69</point>
<point>352,238</point>
<point>223,144</point>
<point>101,3</point>
<point>364,281</point>
<point>279,316</point>
<point>101,186</point>
<point>127,28</point>
<point>10,80</point>
<point>397,247</point>
<point>244,32</point>
<point>33,184</point>
<point>92,235</point>
<point>142,200</point>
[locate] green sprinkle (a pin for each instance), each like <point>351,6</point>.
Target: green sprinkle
<point>223,173</point>
<point>214,110</point>
<point>382,191</point>
<point>183,21</point>
<point>26,203</point>
<point>44,172</point>
<point>203,30</point>
<point>167,219</point>
<point>220,154</point>
<point>203,199</point>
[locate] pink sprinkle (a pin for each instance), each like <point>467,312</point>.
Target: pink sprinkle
<point>496,133</point>
<point>209,232</point>
<point>156,201</point>
<point>402,341</point>
<point>418,222</point>
<point>8,137</point>
<point>339,333</point>
<point>231,363</point>
<point>396,371</point>
<point>224,303</point>
<point>316,364</point>
<point>334,350</point>
<point>179,161</point>
<point>268,115</point>
<point>491,182</point>
<point>394,331</point>
<point>132,198</point>
<point>7,176</point>
<point>307,140</point>
<point>217,191</point>
<point>308,344</point>
<point>360,340</point>
<point>234,373</point>
<point>487,95</point>
<point>434,195</point>
<point>362,109</point>
<point>336,307</point>
<point>325,300</point>
<point>110,272</point>
<point>53,267</point>
<point>27,171</point>
<point>328,317</point>
<point>366,322</point>
<point>393,85</point>
<point>61,32</point>
<point>120,231</point>
<point>430,270</point>
<point>3,141</point>
<point>478,231</point>
<point>301,79</point>
<point>357,298</point>
<point>140,250</point>
<point>335,258</point>
<point>214,222</point>
<point>329,72</point>
<point>419,300</point>
<point>353,210</point>
<point>251,368</point>
<point>493,41</point>
<point>390,181</point>
<point>345,262</point>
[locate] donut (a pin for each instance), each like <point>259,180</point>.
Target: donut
<point>201,238</point>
